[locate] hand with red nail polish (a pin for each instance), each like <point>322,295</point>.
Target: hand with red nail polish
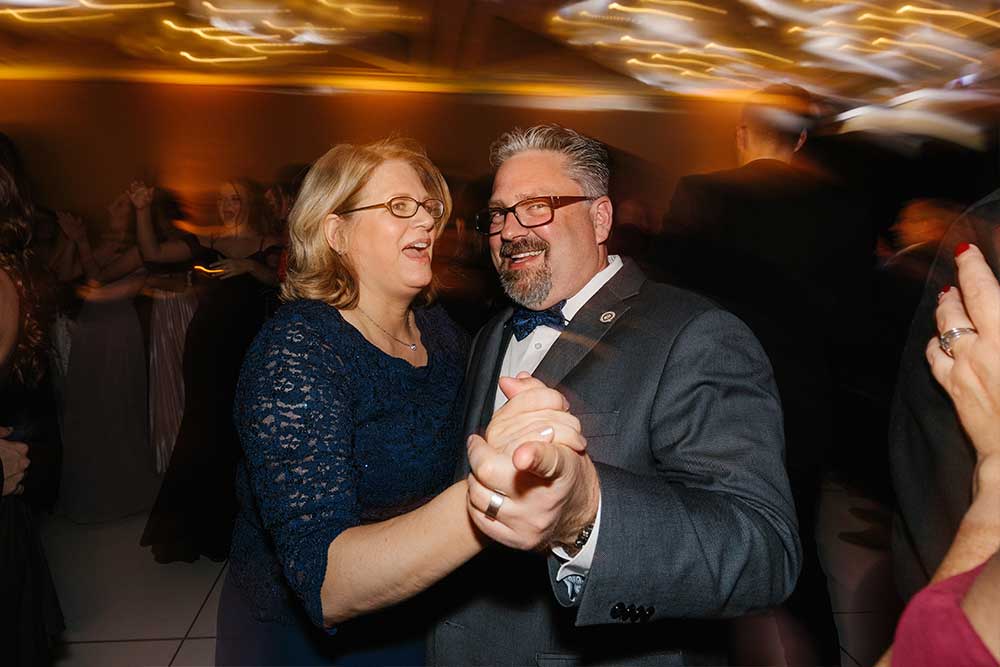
<point>971,374</point>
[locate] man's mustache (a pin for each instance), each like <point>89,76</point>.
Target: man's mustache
<point>511,248</point>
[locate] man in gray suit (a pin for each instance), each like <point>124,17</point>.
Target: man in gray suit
<point>678,512</point>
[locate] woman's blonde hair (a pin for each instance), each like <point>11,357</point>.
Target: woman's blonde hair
<point>334,183</point>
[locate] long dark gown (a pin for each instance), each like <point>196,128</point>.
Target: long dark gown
<point>30,615</point>
<point>196,506</point>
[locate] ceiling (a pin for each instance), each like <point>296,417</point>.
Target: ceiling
<point>594,52</point>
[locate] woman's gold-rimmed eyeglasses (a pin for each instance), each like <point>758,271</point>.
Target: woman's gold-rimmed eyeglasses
<point>404,207</point>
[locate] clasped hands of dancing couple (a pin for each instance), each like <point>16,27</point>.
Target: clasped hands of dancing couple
<point>532,483</point>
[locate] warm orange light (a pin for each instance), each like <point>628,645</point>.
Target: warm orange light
<point>671,59</point>
<point>90,4</point>
<point>556,18</point>
<point>199,267</point>
<point>825,33</point>
<point>242,59</point>
<point>869,28</point>
<point>686,3</point>
<point>753,52</point>
<point>370,11</point>
<point>891,54</point>
<point>251,42</point>
<point>284,49</point>
<point>649,42</point>
<point>716,56</point>
<point>636,61</point>
<point>868,16</point>
<point>242,10</point>
<point>308,27</point>
<point>948,12</point>
<point>851,3</point>
<point>618,20</point>
<point>642,10</point>
<point>860,49</point>
<point>928,47</point>
<point>709,77</point>
<point>26,16</point>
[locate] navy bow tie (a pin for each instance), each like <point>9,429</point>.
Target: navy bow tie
<point>524,320</point>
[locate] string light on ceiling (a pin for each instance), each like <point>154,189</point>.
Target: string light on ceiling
<point>842,47</point>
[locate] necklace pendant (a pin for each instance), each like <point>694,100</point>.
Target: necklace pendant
<point>413,347</point>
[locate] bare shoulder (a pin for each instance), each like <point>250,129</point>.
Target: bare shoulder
<point>9,316</point>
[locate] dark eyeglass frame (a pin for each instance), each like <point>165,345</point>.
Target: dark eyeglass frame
<point>387,205</point>
<point>484,217</point>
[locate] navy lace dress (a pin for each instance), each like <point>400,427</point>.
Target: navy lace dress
<point>335,434</point>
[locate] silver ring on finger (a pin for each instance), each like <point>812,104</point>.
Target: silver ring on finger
<point>948,338</point>
<point>496,502</point>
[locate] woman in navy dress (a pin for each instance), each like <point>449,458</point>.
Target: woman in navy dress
<point>348,413</point>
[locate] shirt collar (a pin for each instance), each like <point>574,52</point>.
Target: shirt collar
<point>577,301</point>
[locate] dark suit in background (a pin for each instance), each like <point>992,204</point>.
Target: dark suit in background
<point>678,405</point>
<point>786,251</point>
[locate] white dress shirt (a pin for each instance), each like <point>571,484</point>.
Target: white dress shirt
<point>525,355</point>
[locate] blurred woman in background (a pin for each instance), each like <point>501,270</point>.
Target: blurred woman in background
<point>233,266</point>
<point>108,470</point>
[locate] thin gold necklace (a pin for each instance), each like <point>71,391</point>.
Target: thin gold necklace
<point>412,346</point>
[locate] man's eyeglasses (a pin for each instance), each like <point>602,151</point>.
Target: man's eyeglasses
<point>533,212</point>
<point>404,207</point>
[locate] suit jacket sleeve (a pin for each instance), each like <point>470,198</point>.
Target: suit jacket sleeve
<point>712,533</point>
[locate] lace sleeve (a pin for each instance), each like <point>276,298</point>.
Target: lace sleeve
<point>295,419</point>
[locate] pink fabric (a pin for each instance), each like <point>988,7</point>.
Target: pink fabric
<point>934,630</point>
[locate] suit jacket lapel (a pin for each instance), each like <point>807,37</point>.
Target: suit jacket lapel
<point>484,371</point>
<point>603,311</point>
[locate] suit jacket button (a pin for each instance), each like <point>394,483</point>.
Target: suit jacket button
<point>629,613</point>
<point>618,610</point>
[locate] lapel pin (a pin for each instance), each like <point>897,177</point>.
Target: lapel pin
<point>607,316</point>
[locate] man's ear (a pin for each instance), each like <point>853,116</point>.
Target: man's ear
<point>803,135</point>
<point>601,215</point>
<point>741,138</point>
<point>335,233</point>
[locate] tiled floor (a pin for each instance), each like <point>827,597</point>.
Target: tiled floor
<point>125,610</point>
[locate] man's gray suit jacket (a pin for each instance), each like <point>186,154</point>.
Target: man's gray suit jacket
<point>682,419</point>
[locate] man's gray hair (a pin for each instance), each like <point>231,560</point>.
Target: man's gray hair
<point>586,158</point>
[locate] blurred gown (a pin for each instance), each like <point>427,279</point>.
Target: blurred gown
<point>108,470</point>
<point>196,507</point>
<point>171,314</point>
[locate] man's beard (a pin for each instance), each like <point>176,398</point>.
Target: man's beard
<point>528,287</point>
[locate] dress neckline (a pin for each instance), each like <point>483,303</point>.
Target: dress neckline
<point>417,316</point>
